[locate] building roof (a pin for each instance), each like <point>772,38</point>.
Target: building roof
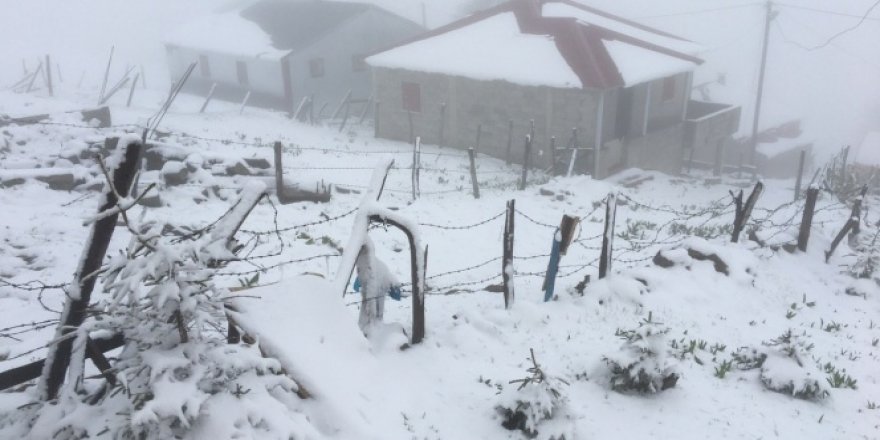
<point>556,43</point>
<point>266,28</point>
<point>868,152</point>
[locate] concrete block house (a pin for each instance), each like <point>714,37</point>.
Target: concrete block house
<point>282,51</point>
<point>556,65</point>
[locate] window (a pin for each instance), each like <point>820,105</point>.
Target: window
<point>669,88</point>
<point>412,96</point>
<point>358,63</point>
<point>316,67</point>
<point>241,70</point>
<point>204,67</point>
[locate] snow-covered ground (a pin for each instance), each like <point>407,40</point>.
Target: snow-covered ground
<point>450,385</point>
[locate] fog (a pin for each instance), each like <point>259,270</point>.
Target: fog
<point>834,89</point>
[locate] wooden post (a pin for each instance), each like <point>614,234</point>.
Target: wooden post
<point>605,257</point>
<point>442,124</point>
<point>208,98</point>
<point>49,76</point>
<point>597,151</point>
<point>525,168</point>
<point>744,212</point>
<point>507,258</point>
<point>474,183</point>
<point>106,74</point>
<point>143,78</point>
<point>244,102</point>
<point>279,172</point>
<point>59,356</point>
<point>857,210</point>
<point>509,139</point>
<point>34,77</point>
<point>376,119</point>
<point>850,224</point>
<point>117,87</point>
<point>366,109</point>
<point>800,175</point>
<point>574,155</point>
<point>807,220</point>
<point>719,159</point>
<point>342,103</point>
<point>552,155</point>
<point>416,166</point>
<point>345,116</point>
<point>131,91</point>
<point>412,135</point>
<point>479,136</point>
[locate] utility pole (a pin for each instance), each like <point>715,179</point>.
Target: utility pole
<point>767,20</point>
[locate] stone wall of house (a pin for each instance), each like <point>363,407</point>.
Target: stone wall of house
<point>489,107</point>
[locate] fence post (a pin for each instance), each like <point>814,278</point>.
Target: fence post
<point>49,76</point>
<point>509,140</point>
<point>807,220</point>
<point>59,356</point>
<point>279,172</point>
<point>525,168</point>
<point>137,76</point>
<point>442,124</point>
<point>507,257</point>
<point>207,98</point>
<point>800,175</point>
<point>417,146</point>
<point>376,118</point>
<point>479,137</point>
<point>106,74</point>
<point>552,155</point>
<point>744,212</point>
<point>345,116</point>
<point>608,235</point>
<point>244,102</point>
<point>474,183</point>
<point>562,237</point>
<point>366,109</point>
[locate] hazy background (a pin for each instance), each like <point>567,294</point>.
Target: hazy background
<point>835,90</point>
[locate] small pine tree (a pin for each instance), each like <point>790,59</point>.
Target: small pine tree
<point>642,364</point>
<point>538,399</point>
<point>789,369</point>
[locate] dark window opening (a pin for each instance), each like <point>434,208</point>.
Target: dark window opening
<point>316,67</point>
<point>358,63</point>
<point>204,66</point>
<point>412,96</point>
<point>669,88</point>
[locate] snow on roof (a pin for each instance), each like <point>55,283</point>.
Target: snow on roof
<point>491,49</point>
<point>781,146</point>
<point>638,65</point>
<point>552,40</point>
<point>868,152</point>
<point>226,33</point>
<point>615,24</point>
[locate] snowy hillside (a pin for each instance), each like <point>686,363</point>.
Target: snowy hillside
<point>689,336</point>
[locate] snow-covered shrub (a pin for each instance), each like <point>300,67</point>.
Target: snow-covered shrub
<point>375,280</point>
<point>176,376</point>
<point>642,363</point>
<point>789,369</point>
<point>531,406</point>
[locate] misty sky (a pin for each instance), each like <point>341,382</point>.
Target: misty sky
<point>835,90</point>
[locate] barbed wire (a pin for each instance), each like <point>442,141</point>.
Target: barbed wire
<point>460,227</point>
<point>303,225</point>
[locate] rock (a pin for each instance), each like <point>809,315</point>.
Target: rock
<point>546,192</point>
<point>11,182</point>
<point>258,163</point>
<point>238,169</point>
<point>156,155</point>
<point>175,173</point>
<point>60,182</point>
<point>152,201</point>
<point>194,162</point>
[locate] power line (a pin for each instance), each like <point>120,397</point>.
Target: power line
<point>788,40</point>
<point>844,31</point>
<point>702,11</point>
<point>825,11</point>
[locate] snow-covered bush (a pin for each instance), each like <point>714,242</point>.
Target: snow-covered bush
<point>531,406</point>
<point>789,369</point>
<point>376,280</point>
<point>176,376</point>
<point>642,363</point>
